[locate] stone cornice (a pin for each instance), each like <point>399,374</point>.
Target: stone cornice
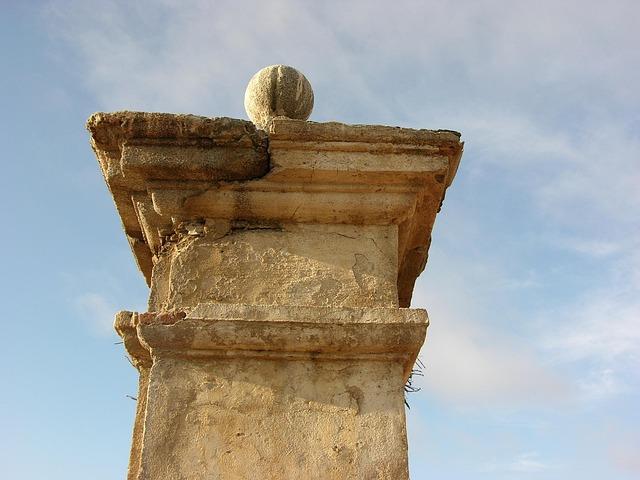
<point>295,130</point>
<point>165,169</point>
<point>271,332</point>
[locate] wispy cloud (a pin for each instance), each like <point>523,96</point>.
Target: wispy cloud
<point>480,367</point>
<point>593,247</point>
<point>625,453</point>
<point>523,77</point>
<point>471,360</point>
<point>607,327</point>
<point>97,311</point>
<point>528,462</point>
<point>95,295</point>
<point>602,333</point>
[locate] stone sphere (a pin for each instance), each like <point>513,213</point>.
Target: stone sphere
<point>278,91</point>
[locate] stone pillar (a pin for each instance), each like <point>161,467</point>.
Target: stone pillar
<point>281,259</point>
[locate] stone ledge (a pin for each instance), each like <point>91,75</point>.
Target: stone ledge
<point>270,332</point>
<point>306,314</point>
<point>288,129</point>
<point>109,131</point>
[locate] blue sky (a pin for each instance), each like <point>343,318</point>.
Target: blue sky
<point>533,281</point>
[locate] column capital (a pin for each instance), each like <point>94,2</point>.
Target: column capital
<point>166,171</point>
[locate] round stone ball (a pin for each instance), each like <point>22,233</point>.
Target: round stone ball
<point>278,91</point>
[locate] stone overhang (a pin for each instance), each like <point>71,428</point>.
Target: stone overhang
<point>170,173</point>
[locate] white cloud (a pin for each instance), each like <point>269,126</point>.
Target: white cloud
<point>625,454</point>
<point>598,185</point>
<point>182,56</point>
<point>600,384</point>
<point>605,327</point>
<point>582,177</point>
<point>540,91</point>
<point>182,53</point>
<point>602,334</point>
<point>475,365</point>
<point>528,462</point>
<point>97,311</point>
<point>593,247</point>
<point>470,359</point>
<point>97,294</point>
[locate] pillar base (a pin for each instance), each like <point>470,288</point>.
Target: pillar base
<point>246,391</point>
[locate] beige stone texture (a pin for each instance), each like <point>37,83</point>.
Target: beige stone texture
<point>298,172</point>
<point>278,91</point>
<point>285,420</point>
<point>276,344</point>
<point>278,392</point>
<point>323,265</point>
<point>125,325</point>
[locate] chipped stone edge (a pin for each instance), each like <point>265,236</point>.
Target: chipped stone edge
<point>276,332</point>
<point>110,132</point>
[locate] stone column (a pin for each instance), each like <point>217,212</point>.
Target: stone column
<point>281,259</point>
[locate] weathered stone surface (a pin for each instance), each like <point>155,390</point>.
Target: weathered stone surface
<point>284,264</point>
<point>277,419</point>
<point>167,170</point>
<point>125,324</point>
<point>277,392</point>
<point>268,332</point>
<point>377,135</point>
<point>278,91</point>
<point>274,346</point>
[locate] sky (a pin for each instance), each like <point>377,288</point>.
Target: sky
<point>532,361</point>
